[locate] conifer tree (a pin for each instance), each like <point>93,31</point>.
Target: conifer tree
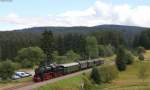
<point>95,76</point>
<point>120,61</point>
<point>47,44</point>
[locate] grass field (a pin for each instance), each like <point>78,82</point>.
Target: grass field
<point>127,80</point>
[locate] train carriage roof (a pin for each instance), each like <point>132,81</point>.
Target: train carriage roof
<point>82,61</point>
<point>90,60</point>
<point>69,64</point>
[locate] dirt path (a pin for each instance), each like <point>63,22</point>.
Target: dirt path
<point>33,86</point>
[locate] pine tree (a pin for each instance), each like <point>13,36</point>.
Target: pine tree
<point>95,76</point>
<point>120,61</point>
<point>47,44</point>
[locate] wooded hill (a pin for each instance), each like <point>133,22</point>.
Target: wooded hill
<point>12,41</point>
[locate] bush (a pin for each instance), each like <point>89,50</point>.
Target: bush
<point>141,50</point>
<point>95,76</point>
<point>87,85</point>
<point>108,73</point>
<point>109,50</point>
<point>6,69</point>
<point>141,57</point>
<point>129,58</point>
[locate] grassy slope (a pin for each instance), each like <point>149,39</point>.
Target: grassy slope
<point>127,80</point>
<point>67,84</point>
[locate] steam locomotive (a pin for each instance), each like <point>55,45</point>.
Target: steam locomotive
<point>47,72</point>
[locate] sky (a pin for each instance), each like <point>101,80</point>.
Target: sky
<point>18,14</point>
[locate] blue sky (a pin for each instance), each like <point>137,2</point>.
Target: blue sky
<point>29,13</point>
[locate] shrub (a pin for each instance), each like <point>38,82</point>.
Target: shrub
<point>87,85</point>
<point>95,76</point>
<point>141,57</point>
<point>108,73</point>
<point>129,58</point>
<point>141,50</point>
<point>6,69</point>
<point>109,50</point>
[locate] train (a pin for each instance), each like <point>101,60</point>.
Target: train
<point>47,72</point>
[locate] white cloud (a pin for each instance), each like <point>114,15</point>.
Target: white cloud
<point>99,13</point>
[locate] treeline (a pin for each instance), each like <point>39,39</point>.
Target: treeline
<point>143,39</point>
<point>12,42</point>
<point>91,45</point>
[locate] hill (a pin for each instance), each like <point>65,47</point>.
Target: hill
<point>79,29</point>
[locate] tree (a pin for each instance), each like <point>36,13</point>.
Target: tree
<point>95,76</point>
<point>120,61</point>
<point>6,69</point>
<point>91,47</point>
<point>30,56</point>
<point>102,51</point>
<point>59,59</point>
<point>72,56</point>
<point>106,37</point>
<point>144,39</point>
<point>47,45</point>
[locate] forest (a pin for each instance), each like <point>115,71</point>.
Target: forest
<point>12,41</point>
